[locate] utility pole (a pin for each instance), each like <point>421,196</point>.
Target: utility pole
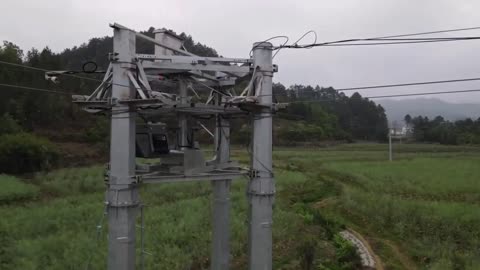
<point>261,188</point>
<point>122,197</point>
<point>221,198</point>
<point>390,154</point>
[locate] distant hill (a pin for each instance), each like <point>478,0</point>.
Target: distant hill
<point>430,107</point>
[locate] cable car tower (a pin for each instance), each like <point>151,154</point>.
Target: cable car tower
<point>140,86</point>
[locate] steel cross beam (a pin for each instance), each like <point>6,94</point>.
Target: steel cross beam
<point>172,66</point>
<point>194,59</point>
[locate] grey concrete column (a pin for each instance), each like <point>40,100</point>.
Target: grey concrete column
<point>261,188</point>
<point>182,118</point>
<point>122,195</point>
<point>221,199</point>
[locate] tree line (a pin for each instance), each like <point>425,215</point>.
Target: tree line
<point>439,130</point>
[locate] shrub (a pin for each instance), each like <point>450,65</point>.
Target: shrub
<point>23,152</point>
<point>12,189</point>
<point>301,132</point>
<point>8,125</point>
<point>99,133</point>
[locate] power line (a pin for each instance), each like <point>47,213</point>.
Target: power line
<point>47,70</point>
<point>393,85</point>
<point>406,84</point>
<point>63,74</point>
<point>34,89</point>
<point>423,40</point>
<point>426,93</point>
<point>392,43</point>
<point>268,39</point>
<point>307,101</point>
<point>394,95</point>
<point>379,41</point>
<point>433,32</point>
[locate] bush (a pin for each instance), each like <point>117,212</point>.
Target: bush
<point>8,125</point>
<point>23,152</point>
<point>300,132</point>
<point>13,189</point>
<point>99,132</point>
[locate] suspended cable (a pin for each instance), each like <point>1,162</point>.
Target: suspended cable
<point>391,43</point>
<point>394,85</point>
<point>47,70</point>
<point>298,40</point>
<point>304,35</point>
<point>406,84</point>
<point>426,93</point>
<point>432,32</point>
<point>268,39</point>
<point>34,89</point>
<point>422,40</point>
<point>63,74</point>
<point>378,41</point>
<point>393,95</point>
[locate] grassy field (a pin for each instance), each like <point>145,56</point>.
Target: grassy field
<point>419,212</point>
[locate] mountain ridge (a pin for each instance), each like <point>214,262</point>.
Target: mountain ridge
<point>430,107</point>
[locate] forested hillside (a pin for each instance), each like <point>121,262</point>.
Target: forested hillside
<point>396,109</point>
<point>314,115</point>
<point>440,130</point>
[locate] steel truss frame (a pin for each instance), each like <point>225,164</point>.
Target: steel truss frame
<point>126,91</point>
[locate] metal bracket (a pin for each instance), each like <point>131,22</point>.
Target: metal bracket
<point>253,173</point>
<point>123,204</point>
<point>113,56</point>
<point>136,179</point>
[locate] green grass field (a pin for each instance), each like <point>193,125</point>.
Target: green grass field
<point>419,212</point>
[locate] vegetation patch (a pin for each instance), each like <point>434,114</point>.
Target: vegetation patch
<point>13,190</point>
<point>419,211</point>
<point>23,153</point>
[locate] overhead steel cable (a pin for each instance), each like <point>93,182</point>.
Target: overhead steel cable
<point>433,32</point>
<point>396,85</point>
<point>406,84</point>
<point>425,93</point>
<point>424,40</point>
<point>48,70</point>
<point>306,101</point>
<point>392,43</point>
<point>63,74</point>
<point>393,95</point>
<point>34,89</point>
<point>378,41</point>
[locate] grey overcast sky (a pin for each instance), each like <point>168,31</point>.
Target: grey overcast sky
<point>232,26</point>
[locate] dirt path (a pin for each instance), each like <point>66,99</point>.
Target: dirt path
<point>404,259</point>
<point>370,260</point>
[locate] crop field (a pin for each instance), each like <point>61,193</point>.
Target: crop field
<point>421,211</point>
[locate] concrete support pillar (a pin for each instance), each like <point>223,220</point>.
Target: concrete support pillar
<point>390,148</point>
<point>261,188</point>
<point>221,199</point>
<point>182,136</point>
<point>122,194</point>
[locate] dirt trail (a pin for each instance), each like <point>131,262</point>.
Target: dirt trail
<point>404,259</point>
<point>370,260</point>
